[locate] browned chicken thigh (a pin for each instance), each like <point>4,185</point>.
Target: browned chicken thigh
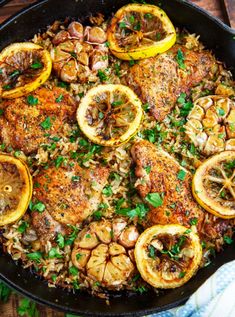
<point>159,80</point>
<point>69,194</point>
<point>173,184</point>
<point>170,181</point>
<point>27,121</point>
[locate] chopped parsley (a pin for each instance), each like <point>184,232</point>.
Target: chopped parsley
<point>38,206</point>
<point>1,112</point>
<point>31,100</point>
<point>180,58</point>
<point>35,256</point>
<point>46,124</point>
<point>117,103</point>
<point>78,256</point>
<point>72,236</point>
<point>182,274</point>
<point>181,175</point>
<point>75,178</point>
<point>139,211</point>
<point>193,221</point>
<point>53,253</point>
<point>36,65</point>
<point>58,161</point>
<point>73,270</point>
<point>23,226</point>
<point>14,74</point>
<point>146,107</point>
<point>59,99</point>
<point>27,308</point>
<point>151,250</point>
<point>122,25</point>
<point>220,112</point>
<point>186,106</point>
<point>147,169</point>
<point>102,76</point>
<point>228,240</point>
<point>154,199</point>
<point>60,240</point>
<point>107,191</point>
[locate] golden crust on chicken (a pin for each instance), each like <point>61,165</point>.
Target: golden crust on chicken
<point>159,80</point>
<point>27,121</point>
<point>69,194</point>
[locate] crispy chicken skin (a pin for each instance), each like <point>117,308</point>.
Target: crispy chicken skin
<point>178,204</point>
<point>20,125</point>
<point>70,194</point>
<point>159,80</point>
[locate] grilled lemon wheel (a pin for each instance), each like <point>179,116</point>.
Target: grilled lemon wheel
<point>214,184</point>
<point>167,256</point>
<point>23,68</point>
<point>109,115</point>
<point>15,189</point>
<point>140,31</point>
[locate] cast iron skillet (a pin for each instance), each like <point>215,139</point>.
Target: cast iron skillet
<point>23,26</point>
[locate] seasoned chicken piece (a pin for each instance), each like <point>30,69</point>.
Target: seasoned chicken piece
<point>170,181</point>
<point>159,80</point>
<point>27,121</point>
<point>173,184</point>
<point>70,194</point>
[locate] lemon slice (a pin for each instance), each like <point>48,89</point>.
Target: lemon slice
<point>214,184</point>
<point>23,68</point>
<point>167,256</point>
<point>15,189</point>
<point>140,31</point>
<point>109,115</point>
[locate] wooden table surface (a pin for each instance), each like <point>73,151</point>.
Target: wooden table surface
<point>216,7</point>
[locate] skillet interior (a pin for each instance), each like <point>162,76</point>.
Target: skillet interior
<point>217,37</point>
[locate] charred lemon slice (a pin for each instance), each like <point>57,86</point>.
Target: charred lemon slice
<point>140,31</point>
<point>23,68</point>
<point>167,256</point>
<point>15,189</point>
<point>214,184</point>
<point>109,115</point>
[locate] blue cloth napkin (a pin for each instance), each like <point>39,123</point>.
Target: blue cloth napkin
<point>215,298</point>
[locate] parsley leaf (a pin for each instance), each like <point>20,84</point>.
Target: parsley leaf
<point>59,99</point>
<point>193,221</point>
<point>53,253</point>
<point>32,101</point>
<point>60,240</point>
<point>35,256</point>
<point>28,308</point>
<point>154,199</point>
<point>73,270</point>
<point>102,76</point>
<point>181,175</point>
<point>180,59</point>
<point>22,227</point>
<point>46,124</point>
<point>139,211</point>
<point>228,240</point>
<point>107,191</point>
<point>38,206</point>
<point>36,65</point>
